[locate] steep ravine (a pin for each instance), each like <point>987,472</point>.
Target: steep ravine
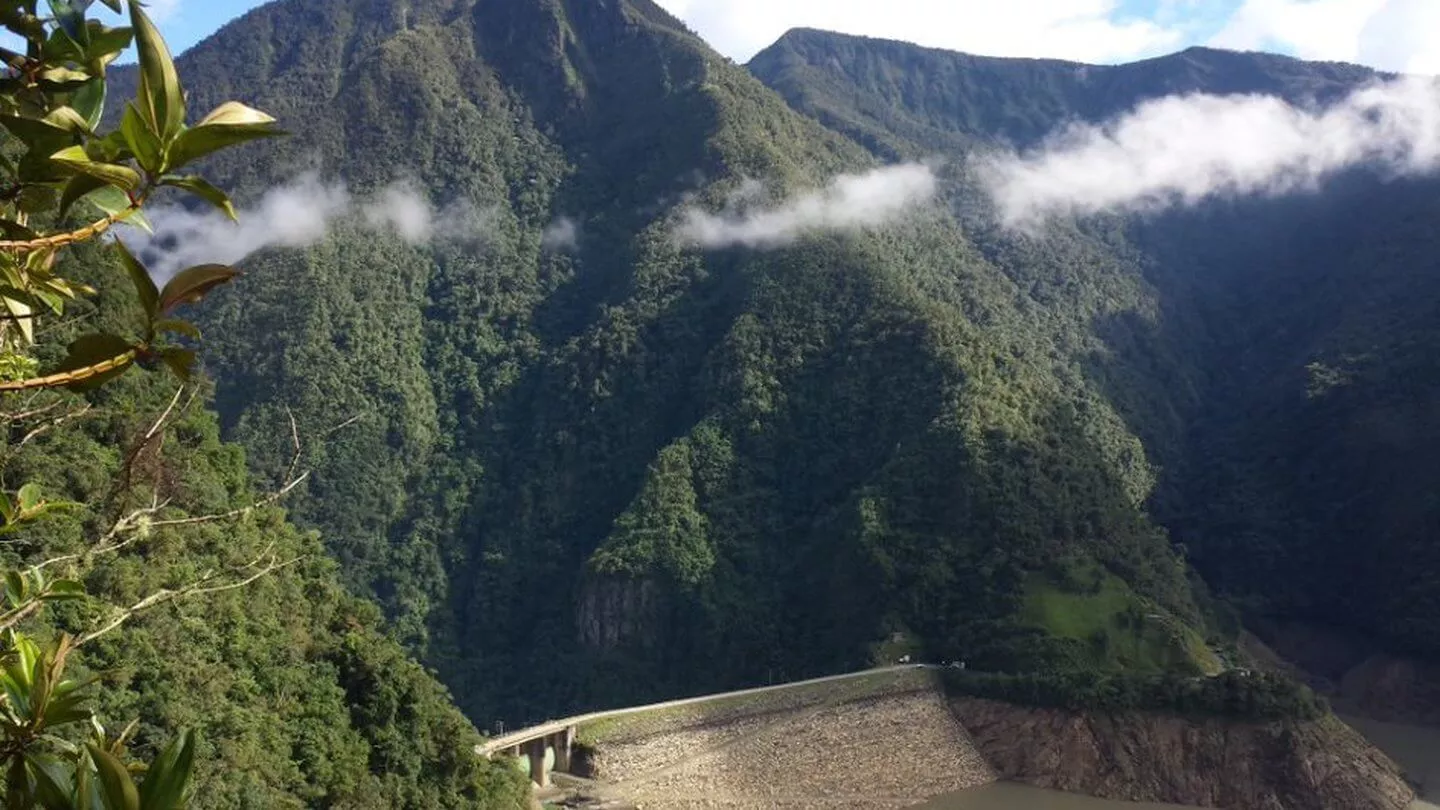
<point>1323,765</point>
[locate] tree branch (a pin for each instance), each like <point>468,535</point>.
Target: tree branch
<point>41,430</point>
<point>82,234</point>
<point>263,566</point>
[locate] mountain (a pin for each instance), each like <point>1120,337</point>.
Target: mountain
<point>895,97</point>
<point>586,462</point>
<point>618,466</point>
<point>1287,388</point>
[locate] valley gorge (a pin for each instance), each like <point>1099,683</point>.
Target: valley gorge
<point>623,372</point>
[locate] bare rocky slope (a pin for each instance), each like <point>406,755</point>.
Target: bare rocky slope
<point>1203,763</point>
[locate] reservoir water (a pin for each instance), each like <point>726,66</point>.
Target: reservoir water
<point>1007,796</point>
<point>1414,748</point>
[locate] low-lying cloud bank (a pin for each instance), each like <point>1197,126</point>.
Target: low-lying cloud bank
<point>1181,150</point>
<point>295,215</point>
<point>848,202</point>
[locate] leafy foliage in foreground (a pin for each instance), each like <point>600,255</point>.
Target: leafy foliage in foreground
<point>184,599</point>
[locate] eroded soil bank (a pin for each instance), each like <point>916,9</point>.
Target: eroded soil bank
<point>1324,765</point>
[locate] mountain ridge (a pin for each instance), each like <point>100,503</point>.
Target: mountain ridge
<point>922,429</point>
<point>1047,93</point>
<point>1263,435</point>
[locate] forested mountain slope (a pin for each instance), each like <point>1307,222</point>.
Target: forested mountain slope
<point>594,463</point>
<point>1289,387</point>
<point>297,696</point>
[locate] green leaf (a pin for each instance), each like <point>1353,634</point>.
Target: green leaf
<point>116,175</point>
<point>235,114</point>
<point>14,588</point>
<point>191,285</point>
<point>199,141</point>
<point>119,790</point>
<point>143,141</point>
<point>36,199</point>
<point>63,79</point>
<point>177,326</point>
<point>67,119</point>
<point>17,786</point>
<point>54,784</point>
<point>202,188</point>
<point>7,509</point>
<point>65,589</point>
<point>169,774</point>
<point>60,48</point>
<point>109,148</point>
<point>106,44</point>
<point>78,187</point>
<point>93,350</point>
<point>140,277</point>
<point>181,362</point>
<point>71,18</point>
<point>160,95</point>
<point>21,315</point>
<point>111,201</point>
<point>35,131</point>
<point>67,710</point>
<point>16,231</point>
<point>29,496</point>
<point>89,101</point>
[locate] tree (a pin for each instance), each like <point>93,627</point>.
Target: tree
<point>56,162</point>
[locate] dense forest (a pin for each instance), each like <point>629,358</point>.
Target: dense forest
<point>1282,382</point>
<point>564,457</point>
<point>584,472</point>
<point>608,461</point>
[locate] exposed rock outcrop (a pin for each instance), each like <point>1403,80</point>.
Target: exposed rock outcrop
<point>1324,765</point>
<point>618,612</point>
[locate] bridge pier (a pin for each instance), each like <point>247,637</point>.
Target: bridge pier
<point>536,750</point>
<point>545,753</point>
<point>564,744</point>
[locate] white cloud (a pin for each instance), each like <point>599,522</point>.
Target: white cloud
<point>162,10</point>
<point>1084,30</point>
<point>1184,149</point>
<point>563,234</point>
<point>295,215</point>
<point>298,214</point>
<point>1395,35</point>
<point>848,202</point>
<point>404,209</point>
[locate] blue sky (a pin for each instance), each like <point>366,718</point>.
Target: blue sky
<point>1391,34</point>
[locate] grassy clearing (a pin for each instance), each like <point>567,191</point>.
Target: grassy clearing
<point>1118,629</point>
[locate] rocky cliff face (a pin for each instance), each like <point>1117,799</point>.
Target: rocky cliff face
<point>1323,765</point>
<point>618,612</point>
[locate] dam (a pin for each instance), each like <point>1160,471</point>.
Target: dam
<point>893,737</point>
